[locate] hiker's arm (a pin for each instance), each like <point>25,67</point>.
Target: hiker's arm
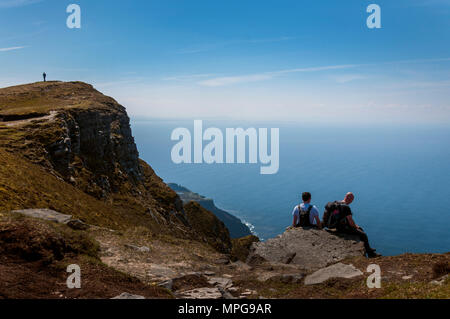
<point>351,222</point>
<point>319,224</point>
<point>295,213</point>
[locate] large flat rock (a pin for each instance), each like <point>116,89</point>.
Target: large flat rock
<point>160,272</point>
<point>310,249</point>
<point>201,293</point>
<point>45,214</point>
<point>127,295</point>
<point>338,270</point>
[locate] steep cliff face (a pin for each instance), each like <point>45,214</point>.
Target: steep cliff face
<point>80,133</point>
<point>98,145</point>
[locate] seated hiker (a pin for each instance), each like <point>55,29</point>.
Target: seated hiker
<point>338,215</point>
<point>305,214</point>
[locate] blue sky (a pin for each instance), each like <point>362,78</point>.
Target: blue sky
<point>313,61</point>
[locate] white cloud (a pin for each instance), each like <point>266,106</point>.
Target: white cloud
<point>229,80</point>
<point>11,49</point>
<point>246,78</point>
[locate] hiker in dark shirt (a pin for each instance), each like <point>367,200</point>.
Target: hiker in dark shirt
<point>346,224</point>
<point>44,76</point>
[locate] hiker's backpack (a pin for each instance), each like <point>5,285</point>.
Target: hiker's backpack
<point>304,216</point>
<point>332,216</point>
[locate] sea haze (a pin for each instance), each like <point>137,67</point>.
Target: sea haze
<point>399,174</point>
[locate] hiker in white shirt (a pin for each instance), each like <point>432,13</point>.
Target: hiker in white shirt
<point>306,214</point>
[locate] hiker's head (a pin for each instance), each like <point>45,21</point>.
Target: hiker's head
<point>306,197</point>
<point>349,198</point>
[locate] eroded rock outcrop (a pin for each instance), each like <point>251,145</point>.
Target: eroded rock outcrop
<point>98,144</point>
<point>309,249</point>
<point>80,133</point>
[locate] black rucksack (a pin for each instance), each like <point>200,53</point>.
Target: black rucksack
<point>304,216</point>
<point>332,216</point>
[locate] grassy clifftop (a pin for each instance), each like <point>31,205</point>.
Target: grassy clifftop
<point>42,97</point>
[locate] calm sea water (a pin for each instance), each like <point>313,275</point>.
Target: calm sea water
<point>400,175</point>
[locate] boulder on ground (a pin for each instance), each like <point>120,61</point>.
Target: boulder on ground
<point>53,216</point>
<point>127,295</point>
<point>338,270</point>
<point>310,249</point>
<point>77,224</point>
<point>201,293</point>
<point>45,214</point>
<point>221,282</point>
<point>141,249</point>
<point>440,281</point>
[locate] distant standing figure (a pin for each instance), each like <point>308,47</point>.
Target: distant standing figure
<point>45,76</point>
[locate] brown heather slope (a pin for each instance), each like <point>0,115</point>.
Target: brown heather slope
<point>34,256</point>
<point>208,227</point>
